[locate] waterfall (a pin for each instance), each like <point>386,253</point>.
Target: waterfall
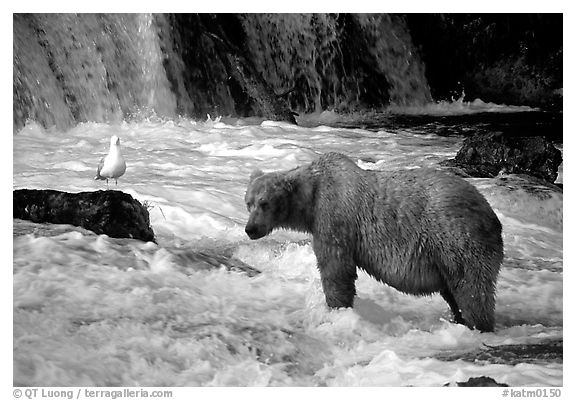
<point>70,68</point>
<point>155,93</point>
<point>338,61</point>
<point>390,44</point>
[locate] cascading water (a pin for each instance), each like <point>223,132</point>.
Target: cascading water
<point>298,49</point>
<point>71,68</point>
<point>156,88</point>
<point>331,60</point>
<point>391,45</point>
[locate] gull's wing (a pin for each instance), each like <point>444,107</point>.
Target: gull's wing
<point>100,165</point>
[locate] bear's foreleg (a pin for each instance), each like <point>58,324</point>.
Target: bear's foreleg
<point>338,275</point>
<point>338,292</point>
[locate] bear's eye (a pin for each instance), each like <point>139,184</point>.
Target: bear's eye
<point>263,205</point>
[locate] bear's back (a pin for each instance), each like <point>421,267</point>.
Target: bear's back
<point>437,199</point>
<point>406,204</point>
<point>342,189</point>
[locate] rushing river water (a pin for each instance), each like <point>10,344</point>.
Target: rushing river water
<point>93,310</point>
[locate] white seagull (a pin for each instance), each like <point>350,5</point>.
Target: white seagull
<point>113,165</point>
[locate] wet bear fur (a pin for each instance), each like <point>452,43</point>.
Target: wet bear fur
<point>420,231</point>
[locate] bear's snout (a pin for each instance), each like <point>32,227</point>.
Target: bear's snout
<point>254,232</point>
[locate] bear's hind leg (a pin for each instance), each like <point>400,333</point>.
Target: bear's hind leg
<point>471,301</point>
<point>447,295</point>
<point>476,304</point>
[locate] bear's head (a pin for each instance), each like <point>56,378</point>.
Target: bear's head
<point>268,202</point>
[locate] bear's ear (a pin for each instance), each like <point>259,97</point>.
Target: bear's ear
<point>255,174</point>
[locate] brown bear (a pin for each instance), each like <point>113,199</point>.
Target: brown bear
<point>420,231</point>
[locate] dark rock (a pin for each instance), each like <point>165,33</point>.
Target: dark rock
<point>109,212</point>
<point>368,159</point>
<point>548,351</point>
<point>471,171</point>
<point>242,70</point>
<point>270,105</point>
<point>481,381</point>
<point>488,154</point>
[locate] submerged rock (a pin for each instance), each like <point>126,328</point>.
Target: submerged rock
<point>548,351</point>
<point>209,259</point>
<point>488,154</point>
<point>109,212</point>
<point>481,381</point>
